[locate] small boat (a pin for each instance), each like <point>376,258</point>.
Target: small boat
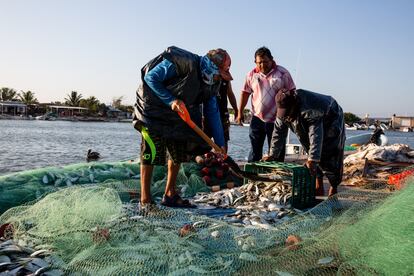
<point>383,126</point>
<point>406,129</point>
<point>362,139</point>
<point>47,117</point>
<point>294,149</point>
<point>350,127</point>
<point>358,126</point>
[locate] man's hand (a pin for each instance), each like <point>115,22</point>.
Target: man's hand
<point>312,166</point>
<point>176,105</point>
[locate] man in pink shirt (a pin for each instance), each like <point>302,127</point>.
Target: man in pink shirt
<point>263,83</point>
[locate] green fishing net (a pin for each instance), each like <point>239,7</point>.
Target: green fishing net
<point>92,230</point>
<point>20,188</point>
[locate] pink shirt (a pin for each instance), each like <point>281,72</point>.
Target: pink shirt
<point>264,88</point>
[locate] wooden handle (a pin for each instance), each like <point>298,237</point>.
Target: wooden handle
<point>185,115</point>
<point>207,139</point>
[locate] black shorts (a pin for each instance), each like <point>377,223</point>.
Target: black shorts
<point>154,150</point>
<point>226,128</point>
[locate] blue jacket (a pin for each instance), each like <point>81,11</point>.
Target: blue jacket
<point>175,74</point>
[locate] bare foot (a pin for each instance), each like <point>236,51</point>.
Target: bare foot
<point>332,191</point>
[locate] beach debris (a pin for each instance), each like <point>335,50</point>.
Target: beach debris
<point>7,231</point>
<point>186,230</point>
<point>215,234</point>
<point>100,235</point>
<point>396,153</point>
<point>292,242</point>
<point>376,163</point>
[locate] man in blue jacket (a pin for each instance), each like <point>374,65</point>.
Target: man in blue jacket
<point>173,78</point>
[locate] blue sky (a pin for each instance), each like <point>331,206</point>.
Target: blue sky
<point>360,52</point>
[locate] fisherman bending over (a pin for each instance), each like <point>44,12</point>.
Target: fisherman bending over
<point>318,121</point>
<point>173,78</point>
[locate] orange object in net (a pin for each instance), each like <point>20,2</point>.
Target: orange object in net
<point>399,179</point>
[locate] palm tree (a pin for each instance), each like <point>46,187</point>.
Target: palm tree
<point>8,94</point>
<point>92,103</point>
<point>102,109</point>
<point>28,97</point>
<point>117,102</point>
<point>73,99</point>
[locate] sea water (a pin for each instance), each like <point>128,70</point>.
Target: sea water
<point>34,144</point>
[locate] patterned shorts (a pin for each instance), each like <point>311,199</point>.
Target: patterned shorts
<point>154,150</point>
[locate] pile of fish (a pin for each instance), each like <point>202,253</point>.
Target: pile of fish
<point>257,203</point>
<point>16,258</point>
<point>376,163</point>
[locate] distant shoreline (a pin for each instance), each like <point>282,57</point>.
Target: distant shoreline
<point>69,119</point>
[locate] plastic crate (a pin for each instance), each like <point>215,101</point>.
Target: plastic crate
<point>303,184</point>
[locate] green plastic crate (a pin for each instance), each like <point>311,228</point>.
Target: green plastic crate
<point>303,184</point>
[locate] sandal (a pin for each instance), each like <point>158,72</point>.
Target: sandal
<point>176,201</point>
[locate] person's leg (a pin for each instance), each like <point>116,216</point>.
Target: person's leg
<point>336,160</point>
<point>319,188</point>
<point>152,153</point>
<point>333,169</point>
<point>177,155</point>
<point>333,190</point>
<point>335,178</point>
<point>226,129</point>
<point>269,131</point>
<point>173,169</point>
<point>146,176</point>
<point>257,134</point>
